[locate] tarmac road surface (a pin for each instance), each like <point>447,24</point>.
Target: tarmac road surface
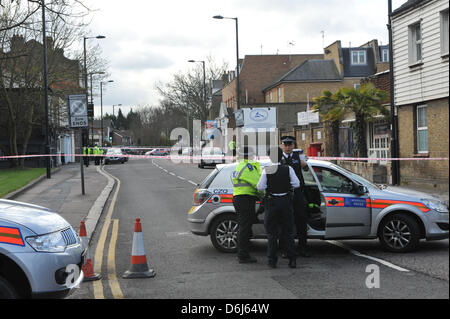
<point>188,266</point>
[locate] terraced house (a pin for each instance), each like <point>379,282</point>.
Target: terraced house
<point>421,89</point>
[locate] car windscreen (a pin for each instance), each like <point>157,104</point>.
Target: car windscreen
<point>208,180</point>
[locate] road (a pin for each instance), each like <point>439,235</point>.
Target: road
<point>188,266</point>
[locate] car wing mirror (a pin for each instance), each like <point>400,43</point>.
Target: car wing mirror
<point>360,189</point>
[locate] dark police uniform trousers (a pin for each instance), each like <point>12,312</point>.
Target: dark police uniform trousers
<point>278,219</point>
<point>299,202</point>
<point>245,206</point>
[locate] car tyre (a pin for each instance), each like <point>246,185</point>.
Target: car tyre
<point>399,233</point>
<point>201,165</point>
<point>7,291</point>
<point>223,233</point>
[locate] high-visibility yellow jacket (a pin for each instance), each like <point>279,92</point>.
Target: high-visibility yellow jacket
<point>232,145</point>
<point>246,177</point>
<point>96,150</point>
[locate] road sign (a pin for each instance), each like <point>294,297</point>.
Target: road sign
<point>78,111</point>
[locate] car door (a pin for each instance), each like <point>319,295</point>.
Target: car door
<point>347,212</point>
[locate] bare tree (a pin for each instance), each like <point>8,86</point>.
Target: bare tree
<point>186,91</point>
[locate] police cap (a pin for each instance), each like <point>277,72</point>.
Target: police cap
<point>288,139</point>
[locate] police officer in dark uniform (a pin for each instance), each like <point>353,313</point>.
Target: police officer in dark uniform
<point>278,181</point>
<point>297,162</point>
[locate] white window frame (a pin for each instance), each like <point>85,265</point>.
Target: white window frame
<point>414,43</point>
<point>421,128</point>
<point>385,55</point>
<point>358,54</point>
<point>270,97</point>
<point>444,32</point>
<point>279,94</point>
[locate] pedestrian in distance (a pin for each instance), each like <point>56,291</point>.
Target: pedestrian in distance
<point>298,163</point>
<point>245,178</point>
<point>278,180</point>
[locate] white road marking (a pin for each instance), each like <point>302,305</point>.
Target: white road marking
<point>182,178</point>
<point>173,174</point>
<point>357,253</point>
<point>193,183</point>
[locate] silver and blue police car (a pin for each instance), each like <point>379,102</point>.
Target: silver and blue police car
<point>40,253</point>
<point>342,205</point>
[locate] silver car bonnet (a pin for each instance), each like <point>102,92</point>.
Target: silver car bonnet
<point>36,218</point>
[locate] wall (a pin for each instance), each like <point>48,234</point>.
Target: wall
<point>429,80</point>
<point>426,171</point>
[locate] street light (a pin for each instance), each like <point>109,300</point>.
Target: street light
<point>92,102</point>
<point>114,106</point>
<point>86,74</point>
<point>237,58</point>
<point>101,108</point>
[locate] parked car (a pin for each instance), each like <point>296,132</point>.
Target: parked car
<point>36,246</point>
<point>158,152</point>
<point>125,152</point>
<point>343,205</point>
<point>211,156</point>
<point>114,155</point>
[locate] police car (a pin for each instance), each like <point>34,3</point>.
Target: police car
<point>342,205</point>
<point>40,253</point>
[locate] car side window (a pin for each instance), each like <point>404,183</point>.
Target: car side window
<point>333,182</point>
<point>308,178</point>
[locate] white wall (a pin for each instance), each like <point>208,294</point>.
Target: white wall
<point>431,79</point>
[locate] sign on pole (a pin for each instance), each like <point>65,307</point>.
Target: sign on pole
<point>305,118</point>
<point>78,110</point>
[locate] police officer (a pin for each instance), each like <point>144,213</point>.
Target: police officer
<point>96,155</point>
<point>278,181</point>
<point>297,162</point>
<point>86,157</point>
<point>245,177</point>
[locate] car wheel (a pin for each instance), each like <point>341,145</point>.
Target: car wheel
<point>201,165</point>
<point>399,233</point>
<point>6,290</point>
<point>224,231</point>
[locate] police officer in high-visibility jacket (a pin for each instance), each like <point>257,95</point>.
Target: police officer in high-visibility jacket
<point>86,157</point>
<point>96,155</point>
<point>245,178</point>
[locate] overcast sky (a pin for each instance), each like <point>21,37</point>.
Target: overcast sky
<point>149,41</point>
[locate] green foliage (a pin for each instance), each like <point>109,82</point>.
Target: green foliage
<point>365,103</point>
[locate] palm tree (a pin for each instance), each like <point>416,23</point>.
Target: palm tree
<point>366,103</point>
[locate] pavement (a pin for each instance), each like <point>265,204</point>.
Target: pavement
<point>62,193</point>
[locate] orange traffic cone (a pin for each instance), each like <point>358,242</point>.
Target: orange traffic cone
<point>139,267</point>
<point>87,268</point>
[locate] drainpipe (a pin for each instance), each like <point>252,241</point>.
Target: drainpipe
<point>394,120</point>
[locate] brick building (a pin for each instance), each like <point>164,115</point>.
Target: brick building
<point>421,77</point>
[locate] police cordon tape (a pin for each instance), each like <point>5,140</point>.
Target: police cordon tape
<point>227,158</point>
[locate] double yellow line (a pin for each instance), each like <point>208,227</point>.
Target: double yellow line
<point>111,264</point>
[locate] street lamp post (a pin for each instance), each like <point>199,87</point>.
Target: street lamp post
<point>47,137</point>
<point>92,102</point>
<point>86,74</point>
<point>238,100</point>
<point>101,108</point>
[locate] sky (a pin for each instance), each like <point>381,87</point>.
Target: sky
<point>148,42</point>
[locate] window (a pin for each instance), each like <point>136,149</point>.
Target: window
<point>444,32</point>
<point>356,86</point>
<point>279,94</point>
<point>270,97</point>
<point>319,135</point>
<point>422,129</point>
<point>333,182</point>
<point>303,136</point>
<point>359,57</point>
<point>385,55</point>
<point>415,43</point>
